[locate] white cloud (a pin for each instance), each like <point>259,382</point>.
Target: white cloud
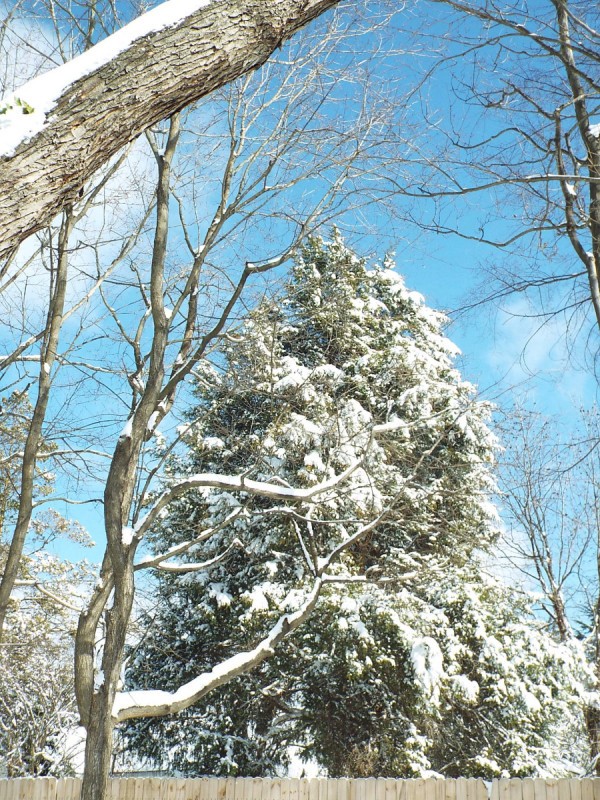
<point>537,357</point>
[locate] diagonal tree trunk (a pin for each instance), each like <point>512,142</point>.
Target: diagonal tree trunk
<point>155,75</point>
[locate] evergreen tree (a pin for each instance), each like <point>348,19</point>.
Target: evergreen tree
<point>396,672</point>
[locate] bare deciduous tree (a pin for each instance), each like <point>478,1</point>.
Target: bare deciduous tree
<point>551,490</point>
<point>512,159</point>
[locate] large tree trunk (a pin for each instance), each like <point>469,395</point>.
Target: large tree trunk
<point>100,723</point>
<point>152,78</point>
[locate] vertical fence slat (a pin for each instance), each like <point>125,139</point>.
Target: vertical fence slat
<point>46,788</point>
<point>294,788</point>
<point>193,789</point>
<point>276,790</point>
<point>551,788</point>
<point>139,788</point>
<point>370,789</point>
<point>205,790</point>
<point>516,789</point>
<point>429,789</point>
<point>504,789</point>
<point>317,792</point>
<point>528,789</point>
<point>239,790</point>
<point>449,789</point>
<point>41,788</point>
<point>539,789</point>
<point>461,789</point>
<point>257,790</point>
<point>213,789</point>
<point>391,790</point>
<point>12,790</point>
<point>353,791</point>
<point>229,793</point>
<point>153,790</point>
<point>360,789</point>
<point>575,790</point>
<point>564,789</point>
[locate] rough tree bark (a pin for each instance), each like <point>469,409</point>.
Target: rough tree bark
<point>157,75</point>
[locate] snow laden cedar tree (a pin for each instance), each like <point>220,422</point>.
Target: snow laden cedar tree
<point>413,660</point>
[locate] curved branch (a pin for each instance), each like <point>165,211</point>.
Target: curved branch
<point>157,703</point>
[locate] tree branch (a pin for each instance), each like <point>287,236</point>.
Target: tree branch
<point>121,87</point>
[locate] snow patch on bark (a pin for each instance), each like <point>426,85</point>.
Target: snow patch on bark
<point>24,113</point>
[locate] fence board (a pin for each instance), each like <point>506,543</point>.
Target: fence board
<point>539,789</point>
<point>449,788</point>
<point>307,789</point>
<point>564,789</point>
<point>528,789</point>
<point>551,790</point>
<point>429,789</point>
<point>440,793</point>
<point>461,789</point>
<point>313,789</point>
<point>293,789</point>
<point>515,788</point>
<point>8,786</point>
<point>575,789</point>
<point>587,790</point>
<point>391,790</point>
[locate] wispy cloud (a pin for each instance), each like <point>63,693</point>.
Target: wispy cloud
<point>537,357</point>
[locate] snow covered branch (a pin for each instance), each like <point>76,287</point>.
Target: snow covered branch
<point>177,550</point>
<point>156,703</point>
<point>240,483</point>
<point>60,128</point>
<point>190,566</point>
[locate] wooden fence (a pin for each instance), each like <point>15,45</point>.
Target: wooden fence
<point>308,789</point>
